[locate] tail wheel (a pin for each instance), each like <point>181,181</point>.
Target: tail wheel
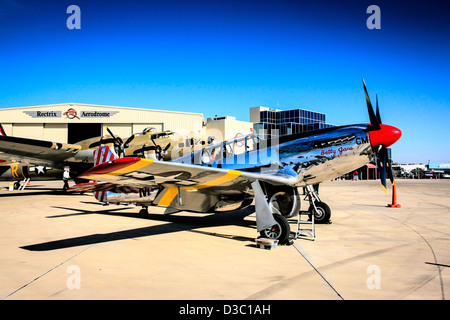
<point>279,231</point>
<point>322,214</point>
<point>285,201</point>
<point>143,213</point>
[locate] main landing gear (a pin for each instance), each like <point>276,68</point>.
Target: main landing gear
<point>321,211</point>
<point>279,231</point>
<point>270,207</point>
<point>285,200</point>
<point>281,203</point>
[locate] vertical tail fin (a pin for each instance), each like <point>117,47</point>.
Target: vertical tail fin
<point>2,131</point>
<point>102,154</point>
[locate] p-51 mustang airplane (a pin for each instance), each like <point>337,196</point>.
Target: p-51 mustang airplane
<point>218,178</point>
<point>23,158</point>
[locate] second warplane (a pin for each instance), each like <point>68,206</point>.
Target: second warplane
<point>23,158</point>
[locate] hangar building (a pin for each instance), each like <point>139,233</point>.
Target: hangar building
<point>73,122</point>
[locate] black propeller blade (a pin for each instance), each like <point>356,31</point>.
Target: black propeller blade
<point>157,149</point>
<point>111,134</point>
<point>373,118</point>
<point>378,112</point>
<point>118,144</point>
<point>127,143</point>
<point>389,170</point>
<point>381,165</point>
<point>386,167</point>
<point>167,147</point>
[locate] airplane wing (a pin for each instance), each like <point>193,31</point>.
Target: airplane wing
<point>23,150</point>
<point>177,178</point>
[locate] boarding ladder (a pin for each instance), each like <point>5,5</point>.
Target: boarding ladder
<point>305,227</point>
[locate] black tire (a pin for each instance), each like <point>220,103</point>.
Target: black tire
<point>323,213</point>
<point>284,200</point>
<point>143,213</point>
<point>279,232</point>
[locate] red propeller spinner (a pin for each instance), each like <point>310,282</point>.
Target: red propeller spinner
<point>387,135</point>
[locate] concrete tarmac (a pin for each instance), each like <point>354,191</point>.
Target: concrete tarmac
<point>68,246</point>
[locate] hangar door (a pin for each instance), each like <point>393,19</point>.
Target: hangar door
<point>28,130</point>
<point>56,132</point>
<point>82,131</point>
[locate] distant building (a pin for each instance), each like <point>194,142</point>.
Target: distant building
<point>227,127</point>
<point>271,122</point>
<point>438,170</point>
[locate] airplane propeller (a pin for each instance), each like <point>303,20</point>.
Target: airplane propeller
<point>383,160</point>
<point>159,152</point>
<point>127,143</point>
<point>381,137</point>
<point>119,145</point>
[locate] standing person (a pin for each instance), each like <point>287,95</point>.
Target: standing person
<point>66,177</point>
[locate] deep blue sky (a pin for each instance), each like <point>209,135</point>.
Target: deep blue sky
<point>223,57</point>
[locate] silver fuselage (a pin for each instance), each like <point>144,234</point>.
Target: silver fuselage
<point>309,157</point>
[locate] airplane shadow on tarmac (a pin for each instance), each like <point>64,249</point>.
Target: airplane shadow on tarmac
<point>34,193</point>
<point>177,223</point>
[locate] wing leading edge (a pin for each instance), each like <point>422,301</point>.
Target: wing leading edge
<point>34,151</point>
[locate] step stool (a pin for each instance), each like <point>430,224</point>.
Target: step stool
<point>300,223</point>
